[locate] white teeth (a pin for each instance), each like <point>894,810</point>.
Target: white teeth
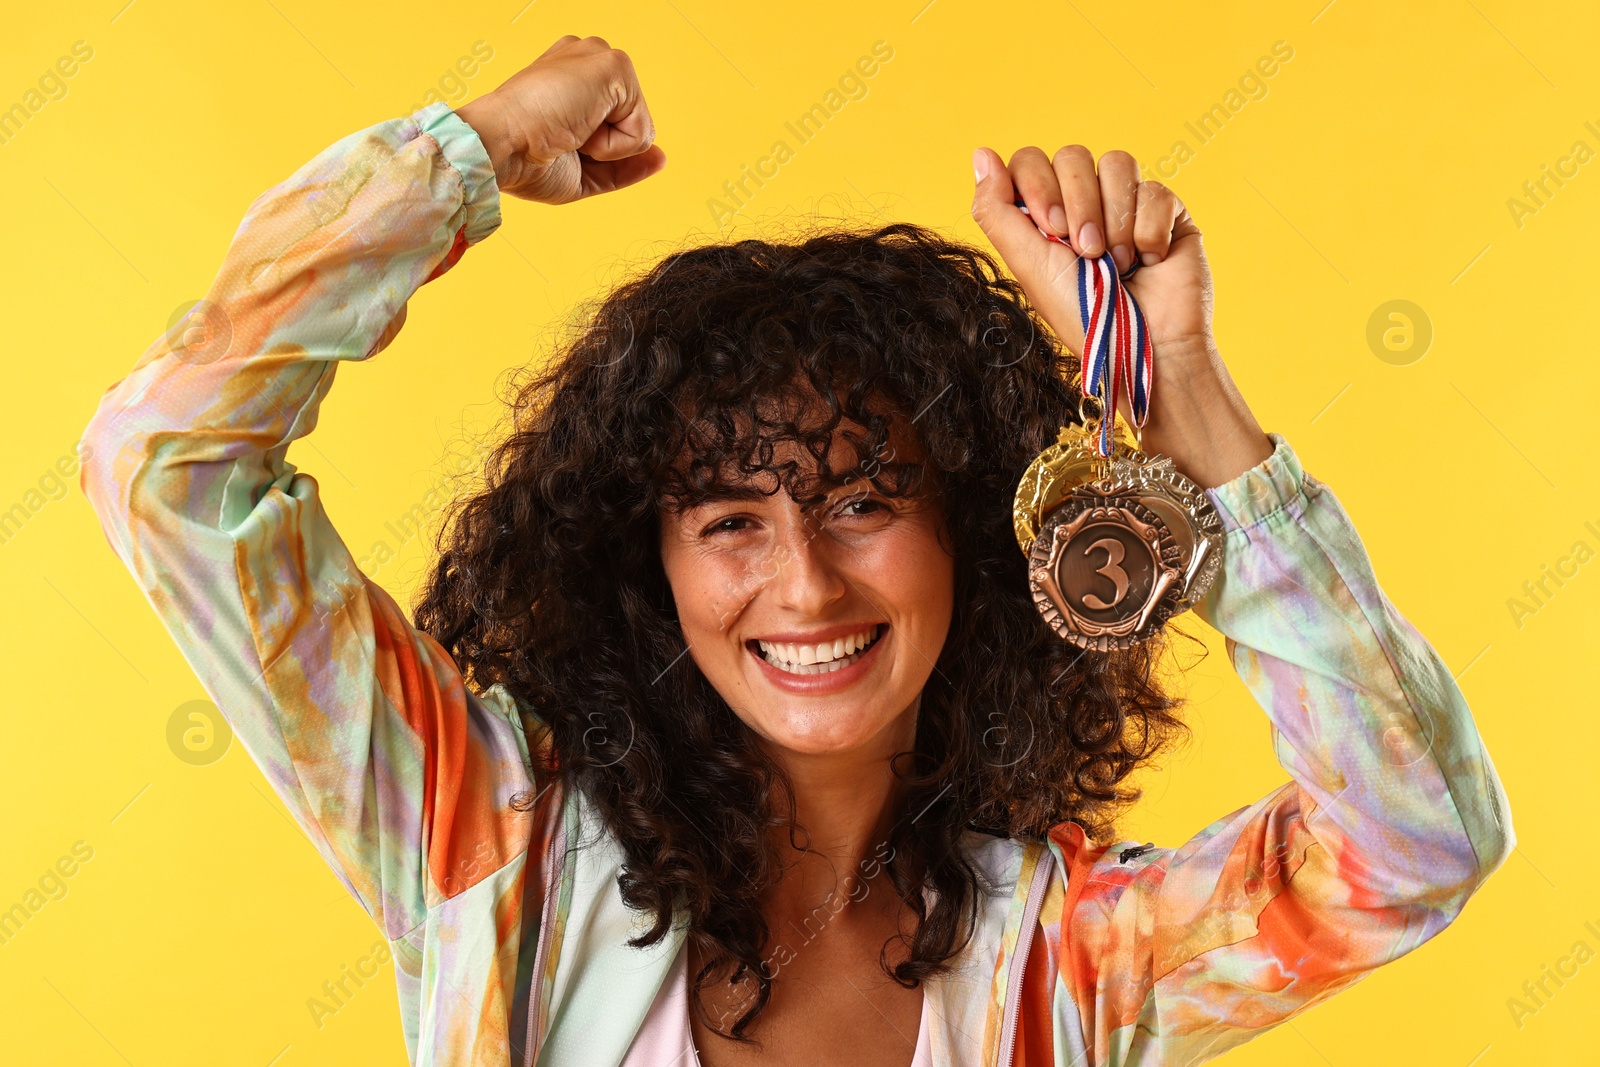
<point>822,658</point>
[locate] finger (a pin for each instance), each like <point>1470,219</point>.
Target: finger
<point>609,175</point>
<point>994,209</point>
<point>1035,181</point>
<point>1037,263</point>
<point>560,46</point>
<point>1157,213</point>
<point>589,45</point>
<point>1074,166</point>
<point>1119,191</point>
<point>628,128</point>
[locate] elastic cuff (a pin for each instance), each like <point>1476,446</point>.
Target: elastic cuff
<point>463,149</point>
<point>1263,489</point>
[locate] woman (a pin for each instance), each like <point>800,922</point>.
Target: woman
<point>728,728</point>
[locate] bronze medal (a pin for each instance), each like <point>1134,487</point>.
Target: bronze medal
<point>1116,545</point>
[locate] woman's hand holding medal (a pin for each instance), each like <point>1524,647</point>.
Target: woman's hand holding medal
<point>1197,416</point>
<point>1118,537</point>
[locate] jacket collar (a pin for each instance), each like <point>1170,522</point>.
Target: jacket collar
<point>594,990</point>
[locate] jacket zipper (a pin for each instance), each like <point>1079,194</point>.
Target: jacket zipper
<point>1019,955</point>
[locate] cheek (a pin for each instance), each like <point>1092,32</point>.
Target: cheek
<point>709,590</point>
<point>914,578</point>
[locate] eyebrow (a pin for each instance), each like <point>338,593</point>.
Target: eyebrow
<point>724,494</point>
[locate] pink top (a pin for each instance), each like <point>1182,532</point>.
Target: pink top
<point>665,1040</point>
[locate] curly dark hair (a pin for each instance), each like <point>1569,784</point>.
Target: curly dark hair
<point>550,579</point>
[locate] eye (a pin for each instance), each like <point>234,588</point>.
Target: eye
<point>863,507</point>
<point>726,525</point>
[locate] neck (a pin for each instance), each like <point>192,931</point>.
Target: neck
<point>846,804</point>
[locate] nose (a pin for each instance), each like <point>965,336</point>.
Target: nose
<point>808,579</point>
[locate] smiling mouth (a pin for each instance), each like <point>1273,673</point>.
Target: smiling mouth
<point>823,658</point>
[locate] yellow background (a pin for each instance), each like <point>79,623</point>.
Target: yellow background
<point>1377,167</point>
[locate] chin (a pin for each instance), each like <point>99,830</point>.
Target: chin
<point>826,730</point>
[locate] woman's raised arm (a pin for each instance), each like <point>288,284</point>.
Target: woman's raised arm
<point>400,776</point>
<point>1393,818</point>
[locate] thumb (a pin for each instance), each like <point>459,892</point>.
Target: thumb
<point>609,175</point>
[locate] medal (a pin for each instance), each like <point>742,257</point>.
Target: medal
<point>1117,541</point>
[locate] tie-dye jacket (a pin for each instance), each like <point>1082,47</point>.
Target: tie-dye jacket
<point>508,945</point>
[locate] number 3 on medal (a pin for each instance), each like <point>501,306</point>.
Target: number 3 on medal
<point>1119,577</point>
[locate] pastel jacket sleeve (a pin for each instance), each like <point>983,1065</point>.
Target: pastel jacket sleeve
<point>1393,817</point>
<point>400,775</point>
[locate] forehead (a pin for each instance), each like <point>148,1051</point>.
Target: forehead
<point>850,449</point>
<point>798,444</point>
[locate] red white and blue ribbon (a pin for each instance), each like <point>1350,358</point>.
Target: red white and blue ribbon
<point>1118,357</point>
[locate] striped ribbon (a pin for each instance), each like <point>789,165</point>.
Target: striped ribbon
<point>1118,357</point>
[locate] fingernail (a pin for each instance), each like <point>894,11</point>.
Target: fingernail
<point>1122,256</point>
<point>980,165</point>
<point>1149,259</point>
<point>1058,218</point>
<point>1089,239</point>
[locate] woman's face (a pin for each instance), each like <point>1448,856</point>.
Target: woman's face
<point>818,626</point>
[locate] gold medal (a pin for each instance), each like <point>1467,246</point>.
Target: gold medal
<point>1116,545</point>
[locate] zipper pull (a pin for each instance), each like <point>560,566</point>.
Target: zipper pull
<point>1137,850</point>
